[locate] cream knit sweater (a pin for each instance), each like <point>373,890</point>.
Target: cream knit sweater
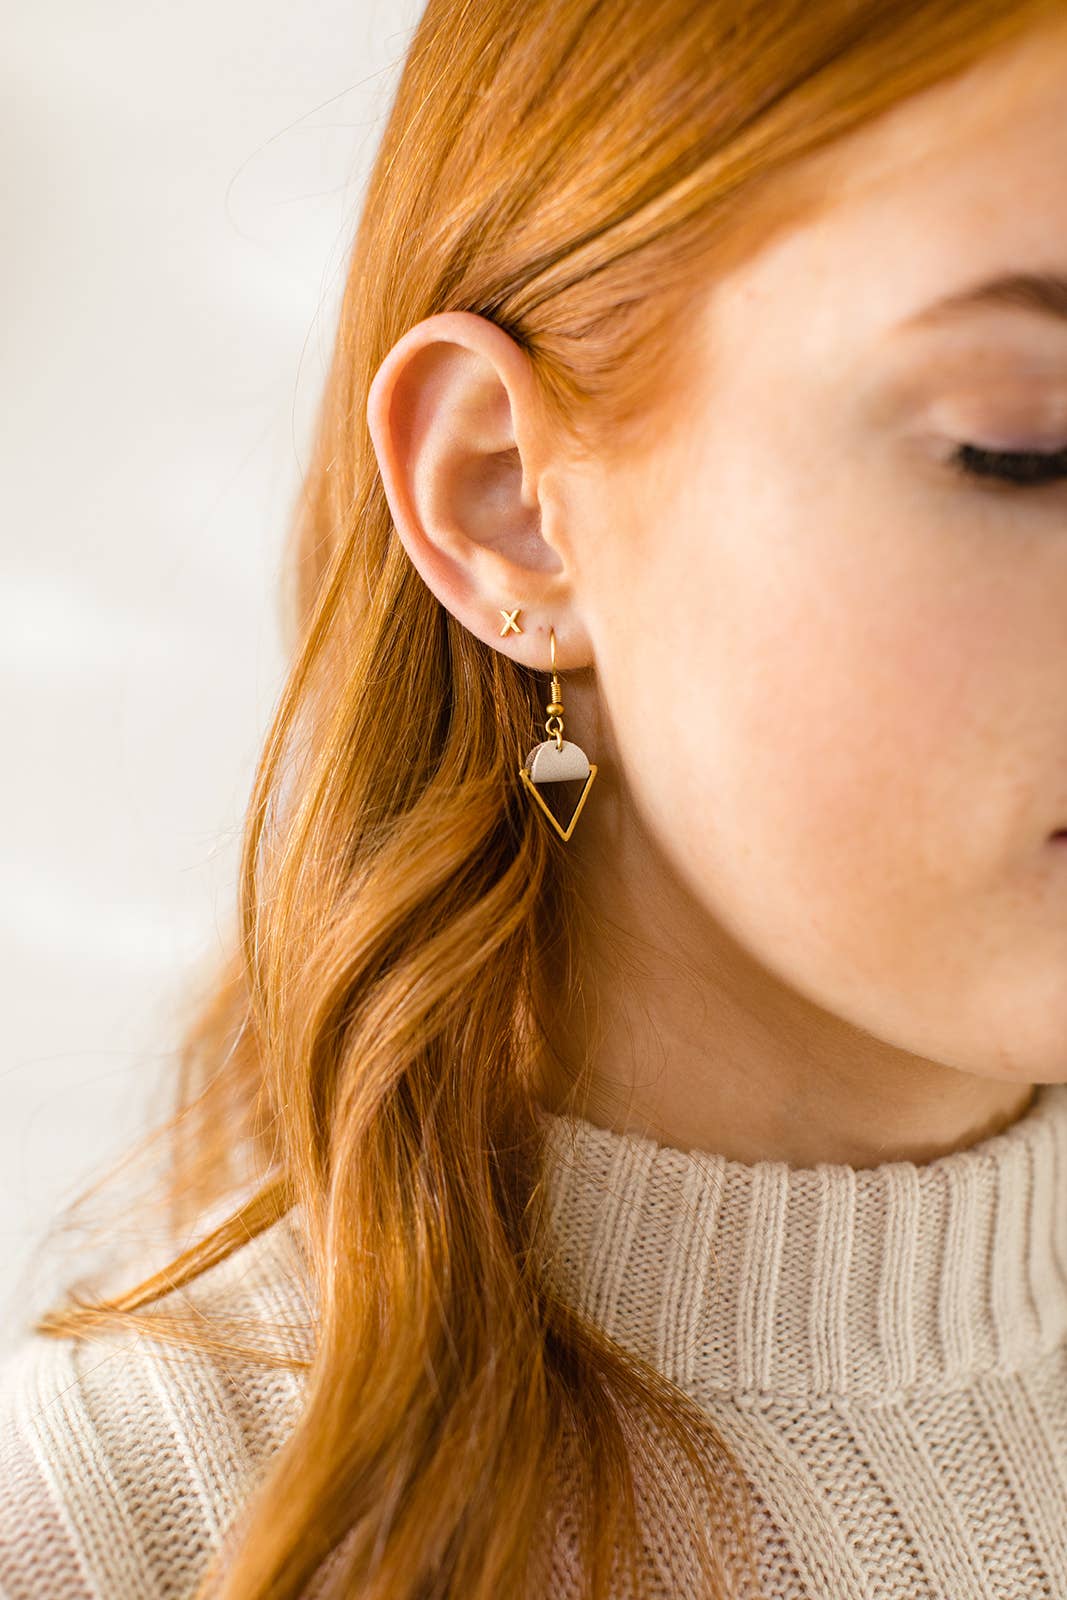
<point>884,1348</point>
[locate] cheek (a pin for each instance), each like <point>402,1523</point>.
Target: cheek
<point>790,789</point>
<point>827,701</point>
<point>818,781</point>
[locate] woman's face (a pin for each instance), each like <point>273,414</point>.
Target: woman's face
<point>828,685</point>
<point>834,665</point>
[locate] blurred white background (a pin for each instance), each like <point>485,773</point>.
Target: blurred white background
<point>181,187</point>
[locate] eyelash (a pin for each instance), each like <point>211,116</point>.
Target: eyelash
<point>1024,469</point>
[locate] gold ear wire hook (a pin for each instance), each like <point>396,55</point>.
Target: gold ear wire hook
<point>555,705</point>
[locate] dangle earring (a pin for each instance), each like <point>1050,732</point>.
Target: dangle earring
<point>556,759</point>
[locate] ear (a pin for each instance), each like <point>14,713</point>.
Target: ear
<point>475,485</point>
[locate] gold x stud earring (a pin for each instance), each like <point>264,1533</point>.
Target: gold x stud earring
<point>510,625</point>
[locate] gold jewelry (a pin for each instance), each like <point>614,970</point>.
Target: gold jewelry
<point>510,625</point>
<point>556,759</point>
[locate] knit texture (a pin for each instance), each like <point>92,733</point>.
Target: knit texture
<point>885,1349</point>
<point>123,1458</point>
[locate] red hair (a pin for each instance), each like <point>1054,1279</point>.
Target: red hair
<point>575,171</point>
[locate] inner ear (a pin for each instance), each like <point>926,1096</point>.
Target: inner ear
<point>479,494</point>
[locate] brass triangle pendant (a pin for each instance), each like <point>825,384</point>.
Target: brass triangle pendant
<point>549,763</point>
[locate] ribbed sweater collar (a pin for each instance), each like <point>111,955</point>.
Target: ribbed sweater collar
<point>761,1278</point>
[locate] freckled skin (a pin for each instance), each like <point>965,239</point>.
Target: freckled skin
<point>823,676</point>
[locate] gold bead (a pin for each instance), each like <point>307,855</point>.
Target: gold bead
<point>554,708</point>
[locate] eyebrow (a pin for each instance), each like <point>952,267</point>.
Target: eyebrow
<point>1045,292</point>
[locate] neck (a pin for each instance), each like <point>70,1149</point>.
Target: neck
<point>684,1037</point>
<point>732,1090</point>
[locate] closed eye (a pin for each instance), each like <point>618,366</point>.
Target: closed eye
<point>1020,468</point>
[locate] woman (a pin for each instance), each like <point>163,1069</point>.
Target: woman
<point>627,1153</point>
